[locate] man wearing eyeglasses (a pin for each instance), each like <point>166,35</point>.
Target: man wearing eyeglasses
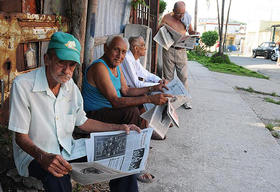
<point>176,57</point>
<point>135,74</point>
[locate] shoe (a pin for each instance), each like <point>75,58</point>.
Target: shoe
<point>145,177</point>
<point>187,106</point>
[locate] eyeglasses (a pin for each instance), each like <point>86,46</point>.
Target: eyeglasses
<point>178,14</point>
<point>142,45</point>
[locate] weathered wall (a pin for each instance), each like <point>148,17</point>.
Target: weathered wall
<point>110,19</point>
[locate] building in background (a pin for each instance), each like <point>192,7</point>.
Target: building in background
<point>259,32</point>
<point>236,32</point>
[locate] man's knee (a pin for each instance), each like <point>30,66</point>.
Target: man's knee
<point>131,111</point>
<point>131,115</point>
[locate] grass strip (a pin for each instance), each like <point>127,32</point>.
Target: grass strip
<point>251,90</point>
<point>231,68</point>
<point>272,101</point>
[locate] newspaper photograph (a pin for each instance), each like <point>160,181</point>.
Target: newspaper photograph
<point>119,151</point>
<point>92,172</point>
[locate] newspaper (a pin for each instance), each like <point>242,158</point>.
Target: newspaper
<point>119,151</point>
<point>91,172</point>
<point>171,111</point>
<point>167,37</point>
<point>161,116</point>
<point>175,87</point>
<point>112,155</point>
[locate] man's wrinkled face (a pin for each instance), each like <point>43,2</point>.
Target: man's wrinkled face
<point>116,51</point>
<point>59,70</point>
<point>179,12</point>
<point>141,47</point>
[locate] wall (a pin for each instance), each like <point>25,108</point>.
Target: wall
<point>111,18</point>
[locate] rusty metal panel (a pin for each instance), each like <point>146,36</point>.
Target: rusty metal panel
<point>16,28</point>
<point>111,18</point>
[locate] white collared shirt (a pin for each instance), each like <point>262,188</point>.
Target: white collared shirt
<point>186,20</point>
<point>132,69</point>
<point>48,120</point>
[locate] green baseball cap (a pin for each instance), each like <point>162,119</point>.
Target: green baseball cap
<point>66,46</point>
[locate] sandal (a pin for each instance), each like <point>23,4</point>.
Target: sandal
<point>145,177</point>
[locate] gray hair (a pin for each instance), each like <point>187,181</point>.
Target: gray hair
<point>179,4</point>
<point>134,40</point>
<point>112,37</point>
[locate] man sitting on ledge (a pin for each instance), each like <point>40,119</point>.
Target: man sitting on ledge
<point>45,107</point>
<point>106,95</point>
<point>135,74</point>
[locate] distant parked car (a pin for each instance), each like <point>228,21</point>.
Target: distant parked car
<point>265,50</point>
<point>275,54</point>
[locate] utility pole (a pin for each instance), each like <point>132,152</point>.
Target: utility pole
<point>195,16</point>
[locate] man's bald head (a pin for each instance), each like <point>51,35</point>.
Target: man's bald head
<point>115,50</point>
<point>179,10</point>
<point>178,5</point>
<point>112,39</point>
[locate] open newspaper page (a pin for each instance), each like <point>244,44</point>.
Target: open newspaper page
<point>159,121</point>
<point>175,87</point>
<point>182,41</point>
<point>119,151</point>
<point>91,172</point>
<point>163,38</point>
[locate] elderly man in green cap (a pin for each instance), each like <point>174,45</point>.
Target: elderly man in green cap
<point>45,107</point>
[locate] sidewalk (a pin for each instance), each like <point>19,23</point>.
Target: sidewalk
<point>221,144</point>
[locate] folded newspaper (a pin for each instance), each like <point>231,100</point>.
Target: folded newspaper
<point>161,116</point>
<point>112,155</point>
<point>175,87</point>
<point>167,37</point>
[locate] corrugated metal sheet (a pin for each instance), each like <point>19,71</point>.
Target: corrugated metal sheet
<point>112,16</point>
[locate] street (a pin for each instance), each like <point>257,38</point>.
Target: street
<point>222,143</point>
<point>261,65</point>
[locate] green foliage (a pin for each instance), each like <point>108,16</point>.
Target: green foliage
<point>162,6</point>
<point>251,90</point>
<point>199,50</point>
<point>269,127</point>
<point>230,68</point>
<point>209,38</point>
<point>216,58</point>
<point>272,101</point>
<point>135,3</point>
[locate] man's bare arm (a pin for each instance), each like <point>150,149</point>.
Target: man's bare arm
<point>92,125</point>
<point>53,163</point>
<point>103,83</point>
<point>135,92</point>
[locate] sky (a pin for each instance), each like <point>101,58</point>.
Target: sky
<point>246,11</point>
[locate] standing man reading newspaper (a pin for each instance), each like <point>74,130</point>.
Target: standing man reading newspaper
<point>176,57</point>
<point>45,107</point>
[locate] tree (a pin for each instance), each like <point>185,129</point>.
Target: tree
<point>162,6</point>
<point>222,40</point>
<point>209,38</point>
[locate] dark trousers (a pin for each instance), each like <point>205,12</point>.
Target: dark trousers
<point>128,115</point>
<point>51,183</point>
<point>63,184</point>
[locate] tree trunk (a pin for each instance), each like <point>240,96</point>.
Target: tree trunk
<point>219,27</point>
<point>225,35</point>
<point>195,16</point>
